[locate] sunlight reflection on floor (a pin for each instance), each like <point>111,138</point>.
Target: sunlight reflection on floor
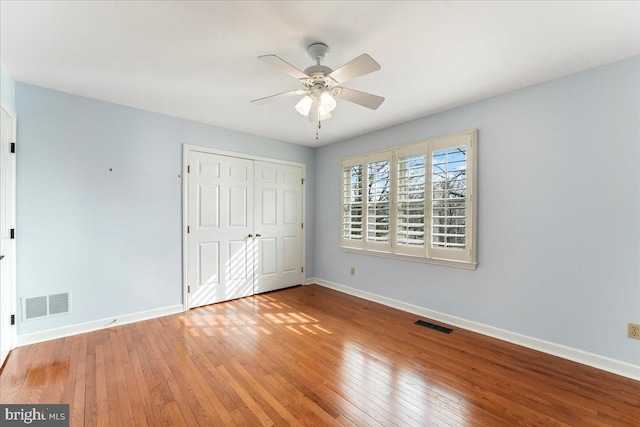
<point>403,386</point>
<point>221,319</point>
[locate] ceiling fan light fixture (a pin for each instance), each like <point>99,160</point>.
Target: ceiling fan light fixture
<point>327,101</point>
<point>321,84</point>
<point>324,112</point>
<point>304,105</point>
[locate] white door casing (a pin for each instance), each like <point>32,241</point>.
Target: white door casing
<point>278,226</point>
<point>220,220</point>
<point>7,222</point>
<point>272,239</point>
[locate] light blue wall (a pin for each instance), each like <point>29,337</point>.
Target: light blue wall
<point>111,238</point>
<point>7,87</point>
<point>559,202</point>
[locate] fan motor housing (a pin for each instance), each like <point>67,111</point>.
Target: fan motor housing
<point>317,69</point>
<point>317,89</point>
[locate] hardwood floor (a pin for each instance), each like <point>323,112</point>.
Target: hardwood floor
<point>309,356</point>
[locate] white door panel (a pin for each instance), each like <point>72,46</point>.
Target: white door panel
<point>290,253</point>
<point>268,250</point>
<point>291,208</point>
<point>208,206</point>
<point>220,216</point>
<point>209,263</point>
<point>269,206</point>
<point>238,207</point>
<point>279,224</point>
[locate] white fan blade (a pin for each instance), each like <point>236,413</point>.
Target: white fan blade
<point>363,64</point>
<point>282,65</point>
<point>361,98</point>
<point>278,97</point>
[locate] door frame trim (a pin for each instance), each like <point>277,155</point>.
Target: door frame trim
<point>13,291</point>
<point>186,148</point>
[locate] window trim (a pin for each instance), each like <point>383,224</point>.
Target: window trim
<point>466,258</point>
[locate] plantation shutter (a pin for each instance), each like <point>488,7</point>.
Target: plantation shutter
<point>450,230</point>
<point>353,184</point>
<point>410,200</point>
<point>413,202</point>
<point>378,202</point>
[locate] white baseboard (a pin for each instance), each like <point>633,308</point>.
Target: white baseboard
<point>601,362</point>
<point>66,331</point>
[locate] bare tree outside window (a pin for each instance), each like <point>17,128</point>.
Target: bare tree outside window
<point>352,202</point>
<point>448,202</point>
<point>379,175</point>
<point>410,202</point>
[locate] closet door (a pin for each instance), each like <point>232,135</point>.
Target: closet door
<point>278,226</point>
<point>220,226</point>
<point>7,223</point>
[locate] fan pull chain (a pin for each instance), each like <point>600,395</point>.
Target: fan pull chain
<point>318,112</point>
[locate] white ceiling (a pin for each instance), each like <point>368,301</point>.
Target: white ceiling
<point>197,60</point>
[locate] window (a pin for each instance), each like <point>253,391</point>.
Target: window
<point>378,198</point>
<point>353,184</point>
<point>410,200</point>
<point>414,201</point>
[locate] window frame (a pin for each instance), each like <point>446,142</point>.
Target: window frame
<point>462,258</point>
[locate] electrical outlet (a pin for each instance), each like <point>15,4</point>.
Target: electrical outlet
<point>633,331</point>
<point>353,271</point>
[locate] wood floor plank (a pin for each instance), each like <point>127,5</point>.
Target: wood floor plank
<point>309,356</point>
<point>127,389</point>
<point>77,401</point>
<point>90,392</point>
<point>208,396</point>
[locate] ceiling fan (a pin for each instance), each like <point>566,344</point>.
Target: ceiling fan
<point>321,83</point>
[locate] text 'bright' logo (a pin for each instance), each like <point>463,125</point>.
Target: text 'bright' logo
<point>44,415</point>
<point>26,416</point>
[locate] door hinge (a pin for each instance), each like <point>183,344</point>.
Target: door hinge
<point>302,181</point>
<point>302,225</point>
<point>188,229</point>
<point>189,289</point>
<point>13,319</point>
<point>301,269</point>
<point>13,147</point>
<point>188,169</point>
<point>13,233</point>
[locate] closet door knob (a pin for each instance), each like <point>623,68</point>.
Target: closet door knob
<point>258,235</point>
<point>250,236</point>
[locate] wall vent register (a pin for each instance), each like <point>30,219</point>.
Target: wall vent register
<point>45,306</point>
<point>434,326</point>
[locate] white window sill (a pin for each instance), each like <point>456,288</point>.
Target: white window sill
<point>445,262</point>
